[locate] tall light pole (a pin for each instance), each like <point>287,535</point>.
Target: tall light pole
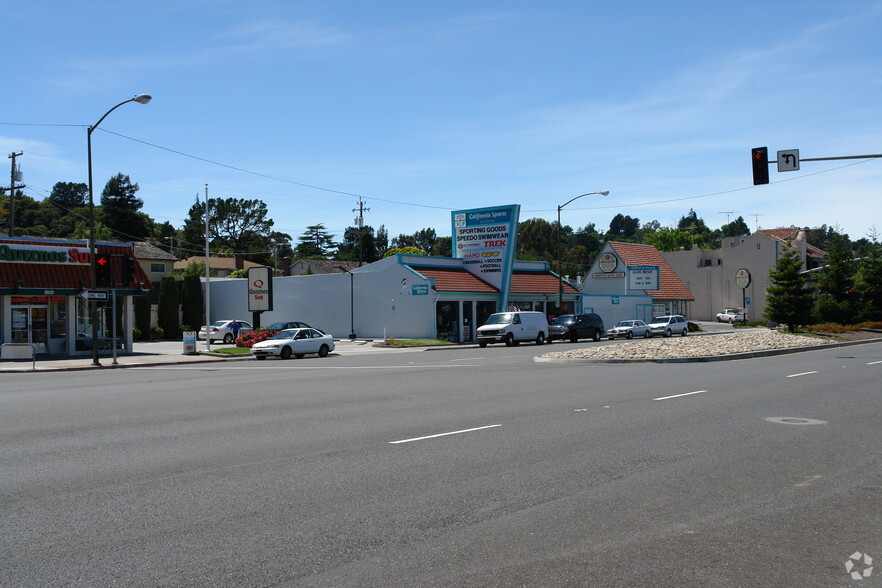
<point>560,286</point>
<point>93,275</point>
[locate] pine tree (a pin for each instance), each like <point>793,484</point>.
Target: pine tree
<point>789,301</point>
<point>868,282</point>
<point>836,301</point>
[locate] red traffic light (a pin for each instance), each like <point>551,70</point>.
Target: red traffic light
<point>760,158</point>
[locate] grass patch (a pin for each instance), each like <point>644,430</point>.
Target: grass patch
<point>232,350</point>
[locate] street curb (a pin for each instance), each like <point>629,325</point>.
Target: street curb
<point>708,358</point>
<point>79,368</point>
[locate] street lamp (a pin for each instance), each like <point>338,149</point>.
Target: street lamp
<point>93,276</point>
<point>560,286</point>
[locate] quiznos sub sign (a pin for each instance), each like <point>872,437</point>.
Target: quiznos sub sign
<point>260,289</point>
<point>485,239</point>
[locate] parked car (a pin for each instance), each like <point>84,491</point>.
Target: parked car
<point>732,315</point>
<point>290,325</point>
<point>513,327</point>
<point>221,331</point>
<point>296,342</point>
<point>577,326</point>
<point>629,330</point>
<point>669,325</point>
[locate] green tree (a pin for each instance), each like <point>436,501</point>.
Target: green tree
<point>120,209</point>
<point>191,303</point>
<point>404,251</point>
<point>69,195</point>
<point>169,307</point>
<point>235,225</point>
<point>623,227</point>
<point>142,315</point>
<point>836,300</point>
<point>736,228</point>
<point>358,244</point>
<point>314,243</point>
<point>789,302</point>
<point>669,239</point>
<point>538,238</point>
<point>443,247</point>
<point>868,281</point>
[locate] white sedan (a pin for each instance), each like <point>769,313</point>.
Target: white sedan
<point>629,330</point>
<point>296,342</point>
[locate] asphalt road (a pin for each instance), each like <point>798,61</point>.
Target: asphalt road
<point>455,467</point>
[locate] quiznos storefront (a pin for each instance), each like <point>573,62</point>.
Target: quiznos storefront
<point>44,293</point>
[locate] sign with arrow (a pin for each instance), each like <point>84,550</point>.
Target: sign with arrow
<point>93,295</point>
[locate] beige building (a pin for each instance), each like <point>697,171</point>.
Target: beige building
<point>711,274</point>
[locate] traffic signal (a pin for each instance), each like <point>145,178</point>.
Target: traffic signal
<point>760,158</point>
<point>103,271</point>
<point>129,271</point>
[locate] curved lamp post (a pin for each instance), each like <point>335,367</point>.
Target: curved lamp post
<point>93,278</point>
<point>560,287</point>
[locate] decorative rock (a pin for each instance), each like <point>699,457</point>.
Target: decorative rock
<point>690,347</point>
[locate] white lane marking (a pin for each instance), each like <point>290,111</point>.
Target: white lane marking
<point>802,374</point>
<point>874,362</point>
<point>469,358</point>
<point>681,395</point>
<point>443,434</point>
<point>288,366</point>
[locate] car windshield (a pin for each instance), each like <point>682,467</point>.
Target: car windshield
<point>625,324</point>
<point>219,323</point>
<point>286,334</point>
<point>501,318</point>
<point>660,319</point>
<point>564,320</point>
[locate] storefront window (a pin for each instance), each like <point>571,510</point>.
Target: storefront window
<point>58,318</point>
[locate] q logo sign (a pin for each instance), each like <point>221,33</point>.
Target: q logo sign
<point>258,284</point>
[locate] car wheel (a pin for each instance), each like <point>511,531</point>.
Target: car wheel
<point>596,335</point>
<point>669,333</point>
<point>630,335</point>
<point>647,334</point>
<point>685,331</point>
<point>228,338</point>
<point>509,340</point>
<point>574,338</point>
<point>540,339</point>
<point>323,351</point>
<point>260,357</point>
<point>482,344</point>
<point>299,355</point>
<point>286,352</point>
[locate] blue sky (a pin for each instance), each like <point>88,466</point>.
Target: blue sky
<point>421,108</point>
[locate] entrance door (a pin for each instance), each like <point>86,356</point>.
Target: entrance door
<point>30,325</point>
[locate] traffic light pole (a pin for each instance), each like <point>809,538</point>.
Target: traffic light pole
<point>788,161</point>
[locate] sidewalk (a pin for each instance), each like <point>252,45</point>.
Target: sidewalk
<point>154,353</point>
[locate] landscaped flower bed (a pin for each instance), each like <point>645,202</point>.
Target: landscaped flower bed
<point>249,339</point>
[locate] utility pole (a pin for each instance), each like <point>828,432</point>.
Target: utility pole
<point>15,176</point>
<point>359,222</point>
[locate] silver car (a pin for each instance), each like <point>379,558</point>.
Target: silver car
<point>668,325</point>
<point>296,342</point>
<point>221,331</point>
<point>629,330</point>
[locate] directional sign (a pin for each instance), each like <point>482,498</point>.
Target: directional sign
<point>788,160</point>
<point>93,295</point>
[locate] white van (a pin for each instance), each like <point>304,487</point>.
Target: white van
<point>513,327</point>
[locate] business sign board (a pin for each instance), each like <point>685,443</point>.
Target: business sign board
<point>485,239</point>
<point>260,289</point>
<point>643,277</point>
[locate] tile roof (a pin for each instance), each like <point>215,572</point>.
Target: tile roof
<point>146,250</point>
<point>327,266</point>
<point>216,262</point>
<point>788,234</point>
<point>538,283</point>
<point>454,279</point>
<point>671,287</point>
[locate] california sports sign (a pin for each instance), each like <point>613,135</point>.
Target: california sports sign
<point>485,239</point>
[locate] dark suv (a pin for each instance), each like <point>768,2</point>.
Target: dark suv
<point>576,326</point>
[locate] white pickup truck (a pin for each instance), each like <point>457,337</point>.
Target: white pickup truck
<point>732,315</point>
